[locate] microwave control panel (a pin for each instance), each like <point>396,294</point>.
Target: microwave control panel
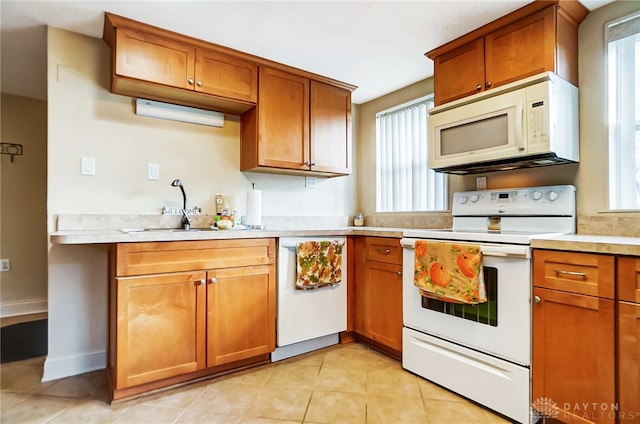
<point>537,124</point>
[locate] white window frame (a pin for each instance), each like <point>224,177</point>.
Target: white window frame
<point>404,183</point>
<point>623,112</point>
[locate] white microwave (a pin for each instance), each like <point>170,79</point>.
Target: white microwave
<point>529,123</point>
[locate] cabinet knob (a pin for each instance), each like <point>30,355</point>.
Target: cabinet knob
<point>199,83</point>
<point>190,81</point>
<point>212,280</point>
<point>399,273</point>
<point>479,87</point>
<point>536,299</point>
<point>313,164</point>
<point>488,84</point>
<point>306,162</point>
<point>200,282</point>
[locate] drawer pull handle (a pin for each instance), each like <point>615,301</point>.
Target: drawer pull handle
<point>212,280</point>
<point>383,251</point>
<point>572,273</point>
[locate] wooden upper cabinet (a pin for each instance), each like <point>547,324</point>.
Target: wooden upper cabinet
<point>157,64</point>
<point>300,126</point>
<point>459,72</point>
<point>330,128</point>
<point>539,37</point>
<point>150,58</point>
<point>226,76</point>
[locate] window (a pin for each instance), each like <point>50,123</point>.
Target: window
<point>404,182</point>
<point>623,74</point>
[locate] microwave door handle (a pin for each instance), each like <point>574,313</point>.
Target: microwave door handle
<point>520,122</point>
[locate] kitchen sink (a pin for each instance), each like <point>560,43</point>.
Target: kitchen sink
<point>165,230</point>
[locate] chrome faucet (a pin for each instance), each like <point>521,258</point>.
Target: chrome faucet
<point>185,224</point>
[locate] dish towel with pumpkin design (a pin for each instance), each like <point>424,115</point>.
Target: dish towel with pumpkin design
<point>318,264</point>
<point>449,272</point>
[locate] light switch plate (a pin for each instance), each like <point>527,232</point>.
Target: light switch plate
<point>481,183</point>
<point>88,166</point>
<point>5,265</point>
<point>153,171</point>
<point>310,182</point>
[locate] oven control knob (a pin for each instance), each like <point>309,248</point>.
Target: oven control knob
<point>552,195</point>
<point>463,200</point>
<point>537,195</point>
<point>474,198</point>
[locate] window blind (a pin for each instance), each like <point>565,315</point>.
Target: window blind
<point>404,182</point>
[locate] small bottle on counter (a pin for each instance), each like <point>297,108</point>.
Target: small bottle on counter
<point>358,220</point>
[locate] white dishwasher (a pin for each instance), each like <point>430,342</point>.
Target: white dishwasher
<point>307,319</point>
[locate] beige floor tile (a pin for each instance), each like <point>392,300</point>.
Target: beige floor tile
<point>204,414</point>
<point>256,376</point>
<point>256,420</point>
<point>394,382</point>
<point>336,407</point>
<point>346,358</point>
<point>227,397</point>
<point>311,358</point>
<point>149,414</point>
<point>445,412</point>
<point>386,409</point>
<point>281,403</point>
<point>378,361</point>
<point>180,397</point>
<point>342,380</point>
<point>9,399</point>
<point>35,409</point>
<point>84,386</point>
<point>431,391</point>
<point>22,378</point>
<point>293,375</point>
<point>89,412</point>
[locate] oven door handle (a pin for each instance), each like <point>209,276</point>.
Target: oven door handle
<point>517,252</point>
<point>503,251</point>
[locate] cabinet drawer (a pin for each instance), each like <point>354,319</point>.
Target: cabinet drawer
<point>383,250</point>
<point>628,281</point>
<point>174,256</point>
<point>583,273</point>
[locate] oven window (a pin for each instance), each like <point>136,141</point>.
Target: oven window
<point>483,313</point>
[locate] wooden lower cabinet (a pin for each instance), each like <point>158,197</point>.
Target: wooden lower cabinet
<point>573,355</point>
<point>378,293</point>
<point>160,327</point>
<point>179,325</point>
<point>628,288</point>
<point>240,314</point>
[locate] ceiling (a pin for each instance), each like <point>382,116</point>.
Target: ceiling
<point>378,46</point>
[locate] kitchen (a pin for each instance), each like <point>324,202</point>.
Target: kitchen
<point>84,119</point>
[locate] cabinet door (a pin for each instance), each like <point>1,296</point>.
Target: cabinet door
<point>283,120</point>
<point>524,48</point>
<point>226,76</point>
<point>330,128</point>
<point>628,279</point>
<point>573,355</point>
<point>629,361</point>
<point>240,313</point>
<point>360,286</point>
<point>154,59</point>
<point>160,327</point>
<point>383,286</point>
<point>459,73</point>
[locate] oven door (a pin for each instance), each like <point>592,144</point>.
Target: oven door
<point>500,327</point>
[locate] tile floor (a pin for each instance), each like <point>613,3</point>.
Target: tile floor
<point>340,384</point>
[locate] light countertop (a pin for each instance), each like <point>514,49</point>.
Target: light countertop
<point>572,242</point>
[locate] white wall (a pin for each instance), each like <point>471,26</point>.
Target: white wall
<point>86,120</point>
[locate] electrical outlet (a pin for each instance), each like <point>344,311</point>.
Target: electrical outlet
<point>5,265</point>
<point>310,182</point>
<point>481,183</point>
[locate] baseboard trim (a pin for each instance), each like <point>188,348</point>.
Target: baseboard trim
<point>25,307</point>
<point>67,366</point>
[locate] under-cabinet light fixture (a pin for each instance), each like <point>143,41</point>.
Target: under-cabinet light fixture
<point>172,112</point>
